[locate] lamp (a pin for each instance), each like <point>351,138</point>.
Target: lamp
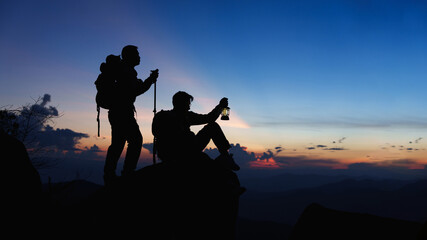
<point>225,113</point>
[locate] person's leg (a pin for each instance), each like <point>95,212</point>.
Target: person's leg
<point>134,138</point>
<point>118,141</point>
<point>212,131</point>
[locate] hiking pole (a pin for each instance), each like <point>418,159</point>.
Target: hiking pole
<point>154,111</point>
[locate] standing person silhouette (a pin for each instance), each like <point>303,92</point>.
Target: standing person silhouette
<point>121,115</point>
<point>175,140</point>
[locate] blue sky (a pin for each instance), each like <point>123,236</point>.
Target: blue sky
<point>297,73</point>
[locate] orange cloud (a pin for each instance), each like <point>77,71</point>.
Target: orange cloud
<point>269,163</point>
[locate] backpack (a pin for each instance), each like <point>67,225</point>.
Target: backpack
<point>106,84</point>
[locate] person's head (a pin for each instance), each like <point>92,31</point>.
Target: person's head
<point>181,101</point>
<point>130,55</point>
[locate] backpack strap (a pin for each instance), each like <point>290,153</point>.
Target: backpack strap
<point>97,119</point>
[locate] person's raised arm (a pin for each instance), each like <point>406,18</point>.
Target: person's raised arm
<point>212,116</point>
<point>143,86</point>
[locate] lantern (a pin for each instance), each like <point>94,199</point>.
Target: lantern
<point>225,113</point>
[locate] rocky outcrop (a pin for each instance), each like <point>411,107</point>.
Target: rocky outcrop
<point>190,200</point>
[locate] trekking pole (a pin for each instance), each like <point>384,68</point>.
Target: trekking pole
<point>154,111</point>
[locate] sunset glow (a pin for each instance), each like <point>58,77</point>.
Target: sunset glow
<point>265,163</point>
<point>335,84</point>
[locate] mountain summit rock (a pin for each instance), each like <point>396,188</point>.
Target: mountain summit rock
<point>186,199</point>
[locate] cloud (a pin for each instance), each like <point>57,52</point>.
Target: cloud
<point>86,164</point>
<point>323,147</point>
<point>91,152</point>
<point>335,149</point>
<point>386,164</point>
<point>45,100</point>
<point>347,123</point>
<point>269,159</point>
<point>25,122</point>
<point>397,162</point>
<point>267,155</point>
<point>36,115</point>
<point>48,146</point>
<point>270,154</point>
<point>62,139</point>
<point>37,134</point>
<point>340,140</point>
<point>57,155</point>
<point>304,161</point>
<point>94,149</point>
<point>88,153</point>
<point>42,109</point>
<point>29,121</point>
<point>409,149</point>
<point>239,152</point>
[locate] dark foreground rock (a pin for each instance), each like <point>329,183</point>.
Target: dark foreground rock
<point>164,201</point>
<point>318,222</point>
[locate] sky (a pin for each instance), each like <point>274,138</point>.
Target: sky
<point>324,83</point>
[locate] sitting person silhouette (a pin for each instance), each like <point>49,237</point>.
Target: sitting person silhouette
<point>175,140</point>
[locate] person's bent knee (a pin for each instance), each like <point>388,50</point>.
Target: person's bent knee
<point>213,126</point>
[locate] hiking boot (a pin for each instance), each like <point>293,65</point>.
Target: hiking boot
<point>228,162</point>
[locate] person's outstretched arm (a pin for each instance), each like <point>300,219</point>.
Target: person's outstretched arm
<point>212,116</point>
<point>143,86</point>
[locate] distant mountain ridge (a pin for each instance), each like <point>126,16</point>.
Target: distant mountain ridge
<point>275,213</point>
<point>318,222</point>
<point>405,202</point>
<point>289,181</point>
<point>371,196</point>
